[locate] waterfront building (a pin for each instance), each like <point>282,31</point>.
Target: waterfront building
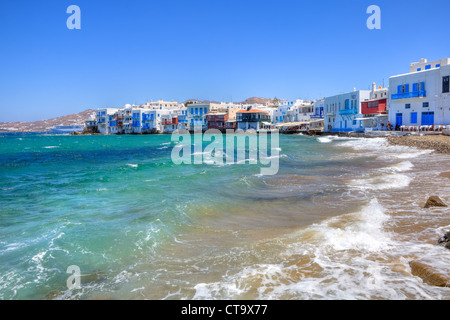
<point>149,121</point>
<point>223,116</point>
<point>300,112</point>
<point>420,99</point>
<point>217,120</point>
<point>196,115</point>
<point>251,119</point>
<point>342,111</point>
<point>375,110</point>
<point>319,107</point>
<point>103,118</point>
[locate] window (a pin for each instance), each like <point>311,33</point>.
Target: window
<point>419,69</point>
<point>408,106</point>
<point>419,86</point>
<point>403,89</point>
<point>445,84</point>
<point>426,104</point>
<point>413,117</point>
<point>438,66</point>
<point>428,67</point>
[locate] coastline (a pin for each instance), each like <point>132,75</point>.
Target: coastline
<point>438,143</point>
<point>430,269</point>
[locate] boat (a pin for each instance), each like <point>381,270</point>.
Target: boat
<point>67,129</point>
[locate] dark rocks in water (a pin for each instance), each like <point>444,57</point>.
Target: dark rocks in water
<point>429,274</point>
<point>445,240</point>
<point>434,201</point>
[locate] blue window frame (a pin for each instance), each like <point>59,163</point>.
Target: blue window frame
<point>408,106</point>
<point>426,104</point>
<point>419,69</point>
<point>438,66</point>
<point>428,67</point>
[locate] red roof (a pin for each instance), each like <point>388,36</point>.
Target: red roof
<point>252,111</point>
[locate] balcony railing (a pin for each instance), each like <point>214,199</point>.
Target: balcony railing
<point>348,111</point>
<point>406,95</point>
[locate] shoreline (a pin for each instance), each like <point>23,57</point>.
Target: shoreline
<point>437,143</point>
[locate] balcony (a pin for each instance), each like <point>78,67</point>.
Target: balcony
<point>348,112</point>
<point>406,95</point>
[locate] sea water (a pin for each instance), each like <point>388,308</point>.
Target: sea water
<point>341,219</point>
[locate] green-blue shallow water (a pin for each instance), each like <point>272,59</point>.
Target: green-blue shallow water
<point>139,226</point>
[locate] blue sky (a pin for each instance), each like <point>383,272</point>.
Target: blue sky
<point>136,50</point>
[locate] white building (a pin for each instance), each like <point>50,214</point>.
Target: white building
<point>421,97</point>
<point>196,115</point>
<point>319,109</point>
<point>342,111</point>
<point>104,115</point>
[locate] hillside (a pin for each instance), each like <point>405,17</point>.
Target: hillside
<point>46,125</point>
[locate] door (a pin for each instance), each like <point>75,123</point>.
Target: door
<point>399,119</point>
<point>427,118</point>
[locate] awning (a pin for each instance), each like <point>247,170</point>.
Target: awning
<point>291,124</point>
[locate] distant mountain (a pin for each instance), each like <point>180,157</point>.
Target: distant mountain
<point>256,100</point>
<point>46,125</point>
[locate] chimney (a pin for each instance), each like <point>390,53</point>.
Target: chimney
<point>374,87</point>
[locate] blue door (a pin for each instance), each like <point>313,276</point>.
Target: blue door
<point>427,118</point>
<point>399,119</point>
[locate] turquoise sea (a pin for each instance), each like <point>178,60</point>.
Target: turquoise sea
<point>340,220</point>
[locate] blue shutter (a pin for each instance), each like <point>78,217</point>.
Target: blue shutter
<point>415,87</point>
<point>399,89</point>
<point>406,87</point>
<point>423,86</point>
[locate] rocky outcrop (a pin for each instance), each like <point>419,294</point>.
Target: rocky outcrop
<point>438,143</point>
<point>429,274</point>
<point>434,201</point>
<point>445,240</point>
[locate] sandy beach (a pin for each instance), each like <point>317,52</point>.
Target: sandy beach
<point>438,143</point>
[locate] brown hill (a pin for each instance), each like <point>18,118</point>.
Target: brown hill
<point>46,125</point>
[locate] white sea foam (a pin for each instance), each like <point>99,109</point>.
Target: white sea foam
<point>51,147</point>
<point>341,252</point>
<point>382,182</point>
<point>400,167</point>
<point>327,139</point>
<point>381,147</point>
<point>132,165</point>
